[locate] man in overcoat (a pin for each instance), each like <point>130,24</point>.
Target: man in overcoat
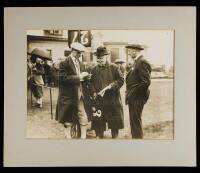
<point>71,103</point>
<point>108,74</point>
<point>137,88</point>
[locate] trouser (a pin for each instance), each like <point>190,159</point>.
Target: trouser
<point>99,133</point>
<point>37,90</point>
<point>83,120</point>
<point>135,114</point>
<point>39,101</point>
<point>114,133</point>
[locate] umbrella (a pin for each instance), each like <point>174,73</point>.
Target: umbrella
<point>120,61</point>
<point>43,54</point>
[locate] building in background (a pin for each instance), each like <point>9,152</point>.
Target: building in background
<point>54,41</point>
<point>58,42</point>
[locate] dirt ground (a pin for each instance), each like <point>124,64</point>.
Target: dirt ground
<point>157,115</point>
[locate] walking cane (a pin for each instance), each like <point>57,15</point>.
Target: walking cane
<point>51,104</point>
<point>31,99</point>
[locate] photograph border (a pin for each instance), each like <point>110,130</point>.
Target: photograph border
<point>17,150</point>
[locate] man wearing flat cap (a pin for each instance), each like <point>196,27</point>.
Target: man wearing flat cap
<point>71,103</point>
<point>107,75</point>
<point>137,88</point>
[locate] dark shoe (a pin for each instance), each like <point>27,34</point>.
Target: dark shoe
<point>99,135</point>
<point>114,133</point>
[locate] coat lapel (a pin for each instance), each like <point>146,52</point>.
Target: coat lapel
<point>71,63</point>
<point>135,66</point>
<point>138,60</point>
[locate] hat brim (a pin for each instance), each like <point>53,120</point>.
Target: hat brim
<point>78,50</point>
<point>95,53</point>
<point>134,47</point>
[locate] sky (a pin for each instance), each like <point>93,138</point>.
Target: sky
<point>160,42</point>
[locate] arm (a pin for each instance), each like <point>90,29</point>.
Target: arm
<point>145,74</point>
<point>39,70</point>
<point>119,79</point>
<point>92,88</point>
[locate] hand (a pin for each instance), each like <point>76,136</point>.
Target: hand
<point>83,75</point>
<point>94,95</point>
<point>89,77</point>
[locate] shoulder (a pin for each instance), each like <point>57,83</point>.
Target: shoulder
<point>113,66</point>
<point>64,63</point>
<point>94,68</point>
<point>67,59</point>
<point>144,62</point>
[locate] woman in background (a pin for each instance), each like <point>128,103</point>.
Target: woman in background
<point>37,80</point>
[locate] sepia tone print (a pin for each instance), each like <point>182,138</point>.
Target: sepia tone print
<point>100,84</point>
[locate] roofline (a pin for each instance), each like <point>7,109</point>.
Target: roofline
<point>45,38</point>
<point>115,43</point>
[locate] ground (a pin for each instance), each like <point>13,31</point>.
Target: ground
<point>157,115</point>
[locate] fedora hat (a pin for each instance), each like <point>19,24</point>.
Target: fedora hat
<point>135,46</point>
<point>78,46</point>
<point>101,51</point>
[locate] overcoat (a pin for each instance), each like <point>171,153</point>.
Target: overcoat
<point>111,101</point>
<point>69,81</point>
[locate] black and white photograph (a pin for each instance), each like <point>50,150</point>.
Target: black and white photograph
<point>100,84</point>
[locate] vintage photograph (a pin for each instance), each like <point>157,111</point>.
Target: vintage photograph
<point>100,84</point>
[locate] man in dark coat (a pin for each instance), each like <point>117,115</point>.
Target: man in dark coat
<point>70,105</point>
<point>137,83</point>
<point>106,74</point>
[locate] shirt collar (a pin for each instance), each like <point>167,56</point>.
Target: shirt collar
<point>138,56</point>
<point>74,59</point>
<point>104,66</point>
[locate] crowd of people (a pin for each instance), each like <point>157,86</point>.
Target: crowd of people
<point>93,94</point>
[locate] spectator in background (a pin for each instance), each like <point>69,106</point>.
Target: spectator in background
<point>47,77</point>
<point>55,73</point>
<point>128,66</point>
<point>120,63</point>
<point>37,80</point>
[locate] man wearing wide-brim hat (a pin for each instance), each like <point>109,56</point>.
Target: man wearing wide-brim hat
<point>71,103</point>
<point>107,75</point>
<point>137,88</point>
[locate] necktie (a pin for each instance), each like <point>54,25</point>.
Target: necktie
<point>78,73</point>
<point>77,67</point>
<point>134,64</point>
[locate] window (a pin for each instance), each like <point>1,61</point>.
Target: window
<point>114,54</point>
<point>53,32</point>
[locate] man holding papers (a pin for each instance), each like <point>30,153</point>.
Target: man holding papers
<point>106,82</point>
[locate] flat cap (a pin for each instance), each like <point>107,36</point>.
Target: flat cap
<point>78,46</point>
<point>135,46</point>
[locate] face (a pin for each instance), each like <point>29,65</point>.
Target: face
<point>133,53</point>
<point>76,53</point>
<point>102,60</point>
<point>38,60</point>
